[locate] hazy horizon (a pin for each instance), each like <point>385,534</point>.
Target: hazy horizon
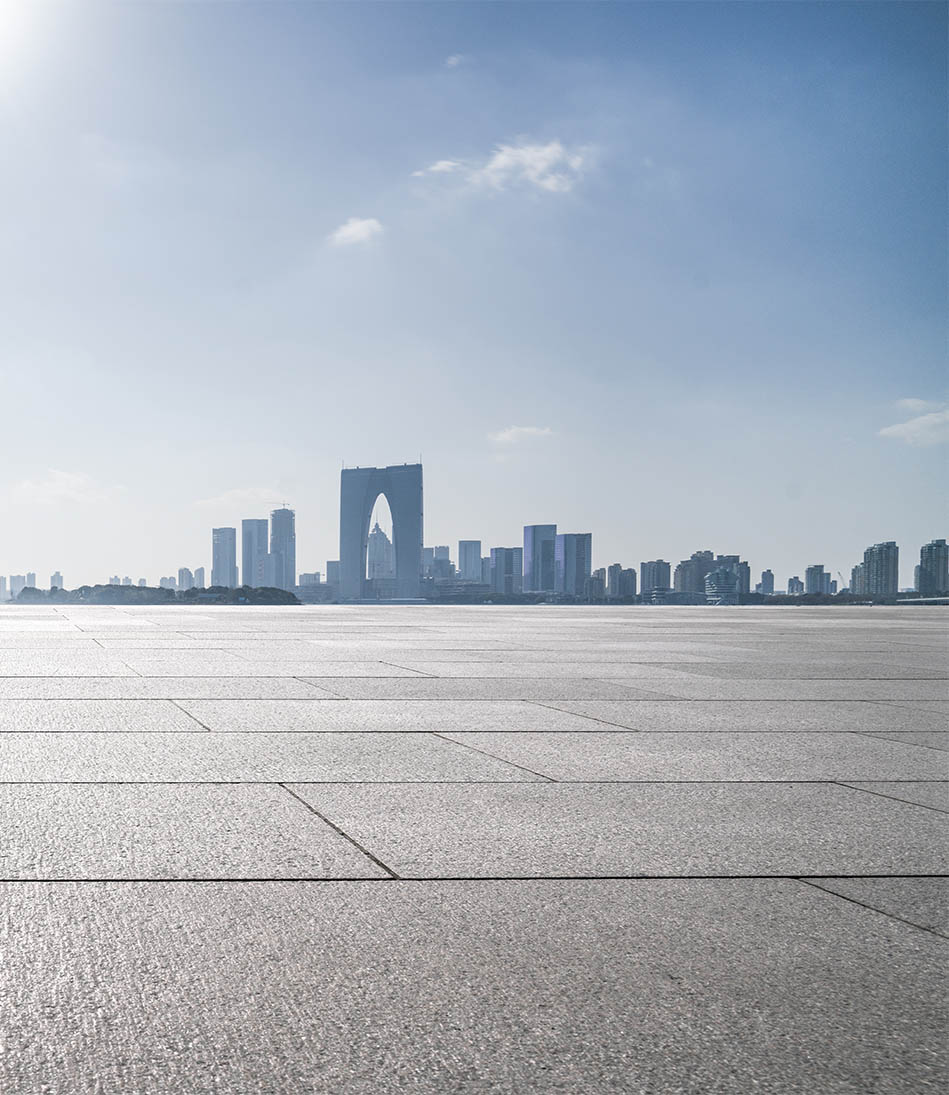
<point>670,274</point>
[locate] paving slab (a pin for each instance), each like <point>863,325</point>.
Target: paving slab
<point>472,688</point>
<point>277,757</point>
<point>831,668</point>
<point>633,755</point>
<point>931,793</point>
<point>510,987</point>
<point>920,901</point>
<point>709,688</point>
<point>170,831</point>
<point>158,688</point>
<point>392,716</point>
<point>784,716</point>
<point>102,716</point>
<point>635,829</point>
<point>544,670</point>
<point>62,663</point>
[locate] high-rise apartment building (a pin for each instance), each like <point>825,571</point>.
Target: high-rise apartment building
<point>614,578</point>
<point>766,585</point>
<point>933,569</point>
<point>795,586</point>
<point>814,577</point>
<point>256,569</point>
<point>690,574</point>
<point>469,560</point>
<point>573,561</point>
<point>858,582</point>
<point>224,557</point>
<point>653,576</point>
<point>721,586</point>
<point>199,578</point>
<point>17,585</point>
<point>142,583</point>
<point>310,578</point>
<point>539,569</point>
<point>486,570</point>
<point>56,580</point>
<point>3,588</point>
<point>115,580</point>
<point>185,578</point>
<point>283,548</point>
<point>380,560</point>
<point>31,579</point>
<point>881,569</point>
<point>126,581</point>
<point>332,572</point>
<point>507,570</point>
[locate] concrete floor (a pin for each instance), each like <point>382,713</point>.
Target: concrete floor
<point>432,849</point>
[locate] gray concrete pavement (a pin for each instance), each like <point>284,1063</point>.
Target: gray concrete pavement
<point>426,849</point>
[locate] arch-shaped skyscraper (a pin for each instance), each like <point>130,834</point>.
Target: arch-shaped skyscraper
<point>359,488</point>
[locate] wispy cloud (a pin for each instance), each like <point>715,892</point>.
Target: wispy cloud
<point>928,428</point>
<point>551,167</point>
<point>355,230</point>
<point>454,60</point>
<point>58,487</point>
<point>244,496</point>
<point>515,434</point>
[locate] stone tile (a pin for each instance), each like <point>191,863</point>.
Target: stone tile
<point>534,987</point>
<point>393,716</point>
<point>920,901</point>
<point>272,758</point>
<point>934,794</point>
<point>709,688</point>
<point>103,716</point>
<point>168,831</point>
<point>217,663</point>
<point>785,716</point>
<point>545,670</point>
<point>469,688</point>
<point>931,739</point>
<point>831,668</point>
<point>156,688</point>
<point>61,663</point>
<point>631,755</point>
<point>494,830</point>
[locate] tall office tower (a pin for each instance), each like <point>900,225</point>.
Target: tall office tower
<point>142,583</point>
<point>199,578</point>
<point>380,559</point>
<point>332,572</point>
<point>627,583</point>
<point>766,585</point>
<point>881,569</point>
<point>254,553</point>
<point>614,579</point>
<point>825,582</point>
<point>469,560</point>
<point>814,578</point>
<point>652,576</point>
<point>185,578</point>
<point>858,582</point>
<point>573,555</point>
<point>115,580</point>
<point>506,570</point>
<point>933,569</point>
<point>310,578</point>
<point>721,586</point>
<point>31,579</point>
<point>486,570</point>
<point>56,580</point>
<point>126,581</point>
<point>224,557</point>
<point>17,584</point>
<point>3,588</point>
<point>690,574</point>
<point>283,548</point>
<point>539,569</point>
<point>795,586</point>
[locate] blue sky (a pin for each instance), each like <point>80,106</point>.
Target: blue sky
<point>662,272</point>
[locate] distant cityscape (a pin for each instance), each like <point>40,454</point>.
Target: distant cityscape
<point>548,563</point>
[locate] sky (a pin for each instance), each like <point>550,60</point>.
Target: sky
<point>673,274</point>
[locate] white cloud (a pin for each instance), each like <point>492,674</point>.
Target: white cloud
<point>550,167</point>
<point>58,487</point>
<point>355,230</point>
<point>454,60</point>
<point>918,406</point>
<point>269,497</point>
<point>513,434</point>
<point>925,429</point>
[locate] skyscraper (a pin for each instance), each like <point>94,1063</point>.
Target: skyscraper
<point>185,578</point>
<point>3,588</point>
<point>31,579</point>
<point>224,557</point>
<point>539,570</point>
<point>814,578</point>
<point>56,581</point>
<point>283,548</point>
<point>721,586</point>
<point>934,569</point>
<point>881,569</point>
<point>332,572</point>
<point>795,586</point>
<point>858,582</point>
<point>380,561</point>
<point>614,578</point>
<point>469,560</point>
<point>199,578</point>
<point>506,570</point>
<point>652,576</point>
<point>254,553</point>
<point>690,573</point>
<point>17,583</point>
<point>573,553</point>
<point>627,583</point>
<point>766,585</point>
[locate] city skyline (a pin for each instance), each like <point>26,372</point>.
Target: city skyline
<point>670,273</point>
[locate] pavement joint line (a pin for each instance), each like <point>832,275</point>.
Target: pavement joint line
<point>493,756</point>
<point>308,684</point>
<point>409,669</point>
<point>883,735</point>
<point>894,798</point>
<point>463,782</point>
<point>320,879</point>
<point>873,908</point>
<point>174,703</point>
<point>355,843</point>
<point>560,711</point>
